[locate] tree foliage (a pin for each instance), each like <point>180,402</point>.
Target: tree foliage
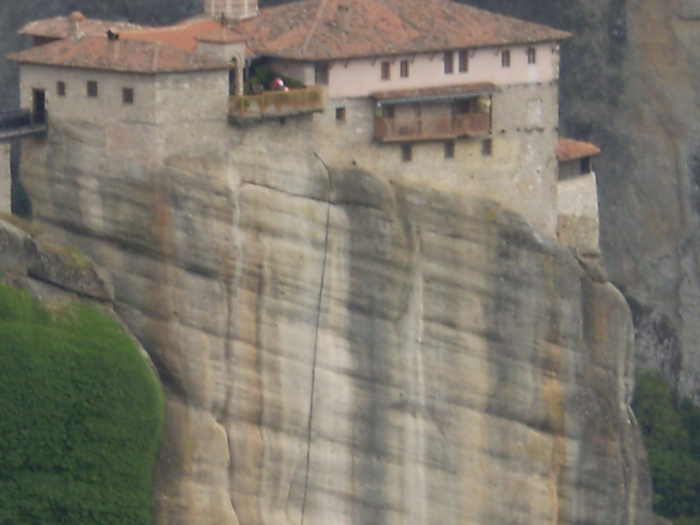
<point>671,433</point>
<point>80,417</point>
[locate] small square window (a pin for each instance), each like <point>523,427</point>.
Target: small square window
<point>487,147</point>
<point>450,149</point>
<point>404,69</point>
<point>386,70</point>
<point>340,115</point>
<point>463,61</point>
<point>505,58</point>
<point>449,59</point>
<point>531,55</point>
<point>91,88</point>
<point>407,152</point>
<point>586,166</point>
<point>321,74</point>
<point>128,96</point>
<point>61,89</point>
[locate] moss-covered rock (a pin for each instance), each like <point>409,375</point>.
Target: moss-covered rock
<point>80,417</point>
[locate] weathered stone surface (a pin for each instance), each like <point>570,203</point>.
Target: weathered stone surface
<point>338,349</point>
<point>24,259</point>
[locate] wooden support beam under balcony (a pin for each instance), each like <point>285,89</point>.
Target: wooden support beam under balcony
<point>275,104</point>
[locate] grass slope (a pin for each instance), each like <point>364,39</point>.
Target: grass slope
<point>80,417</point>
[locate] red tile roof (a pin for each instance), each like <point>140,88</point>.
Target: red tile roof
<point>118,55</point>
<point>568,149</point>
<point>305,30</point>
<point>63,26</point>
<point>336,29</point>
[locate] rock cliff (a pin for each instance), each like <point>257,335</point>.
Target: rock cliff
<point>629,83</point>
<point>338,349</point>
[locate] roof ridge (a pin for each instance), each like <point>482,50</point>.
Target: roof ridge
<point>321,7</point>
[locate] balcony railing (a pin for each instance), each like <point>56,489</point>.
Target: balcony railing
<point>431,128</point>
<point>272,104</point>
<point>22,123</point>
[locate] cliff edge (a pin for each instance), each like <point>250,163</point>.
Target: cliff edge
<point>335,348</point>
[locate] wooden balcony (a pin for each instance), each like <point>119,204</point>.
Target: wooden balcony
<point>431,128</point>
<point>275,104</point>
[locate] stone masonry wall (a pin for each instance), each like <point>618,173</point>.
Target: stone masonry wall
<point>577,205</point>
<point>5,179</point>
<point>520,172</point>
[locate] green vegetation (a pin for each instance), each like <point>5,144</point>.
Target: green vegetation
<point>80,417</point>
<point>672,440</point>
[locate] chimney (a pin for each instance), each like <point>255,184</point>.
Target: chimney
<point>231,9</point>
<point>113,43</point>
<point>76,21</point>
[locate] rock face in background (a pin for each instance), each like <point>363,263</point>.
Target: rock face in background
<point>338,349</point>
<point>630,83</point>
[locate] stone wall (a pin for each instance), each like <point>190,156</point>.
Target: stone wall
<point>577,210</point>
<point>5,179</point>
<point>520,172</point>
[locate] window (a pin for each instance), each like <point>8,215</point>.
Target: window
<point>340,115</point>
<point>386,70</point>
<point>505,58</point>
<point>404,69</point>
<point>91,88</point>
<point>321,74</point>
<point>449,62</point>
<point>531,55</point>
<point>407,152</point>
<point>463,61</point>
<point>128,95</point>
<point>487,147</point>
<point>450,149</point>
<point>61,89</point>
<point>586,166</point>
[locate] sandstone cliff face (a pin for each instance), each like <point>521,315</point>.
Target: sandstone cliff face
<point>339,349</point>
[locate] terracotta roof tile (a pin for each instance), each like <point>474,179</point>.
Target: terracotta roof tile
<point>182,36</point>
<point>119,55</point>
<point>332,29</point>
<point>63,27</point>
<point>568,149</point>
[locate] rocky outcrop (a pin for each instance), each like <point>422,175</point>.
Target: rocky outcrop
<point>29,260</point>
<point>336,348</point>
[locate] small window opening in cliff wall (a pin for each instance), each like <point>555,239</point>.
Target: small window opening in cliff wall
<point>463,61</point>
<point>321,74</point>
<point>487,147</point>
<point>386,70</point>
<point>531,55</point>
<point>406,152</point>
<point>449,60</point>
<point>128,95</point>
<point>586,165</point>
<point>340,115</point>
<point>92,88</point>
<point>450,149</point>
<point>505,58</point>
<point>404,68</point>
<point>61,88</point>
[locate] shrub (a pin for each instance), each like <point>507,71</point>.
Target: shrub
<point>80,417</point>
<point>672,442</point>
